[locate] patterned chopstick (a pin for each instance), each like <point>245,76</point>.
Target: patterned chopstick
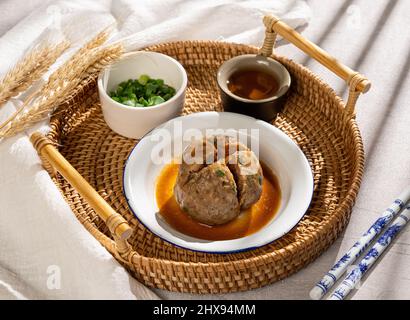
<point>353,278</point>
<point>330,278</point>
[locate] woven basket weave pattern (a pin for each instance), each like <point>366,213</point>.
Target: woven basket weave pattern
<point>313,117</point>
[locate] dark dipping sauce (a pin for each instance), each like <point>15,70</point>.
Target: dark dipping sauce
<point>248,222</point>
<point>253,84</point>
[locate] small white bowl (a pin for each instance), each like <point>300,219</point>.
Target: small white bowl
<point>134,122</point>
<point>276,150</point>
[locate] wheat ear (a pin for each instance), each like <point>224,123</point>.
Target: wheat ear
<point>60,85</point>
<point>39,105</point>
<point>29,69</point>
<point>95,42</point>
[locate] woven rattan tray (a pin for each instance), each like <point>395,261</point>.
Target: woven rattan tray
<point>314,117</point>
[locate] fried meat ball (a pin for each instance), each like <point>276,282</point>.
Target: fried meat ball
<point>214,186</point>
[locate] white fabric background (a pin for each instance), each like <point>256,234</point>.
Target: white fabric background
<point>37,229</point>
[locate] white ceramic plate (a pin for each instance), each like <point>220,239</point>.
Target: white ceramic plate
<point>276,150</point>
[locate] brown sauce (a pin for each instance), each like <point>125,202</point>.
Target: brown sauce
<point>253,84</point>
<point>248,222</point>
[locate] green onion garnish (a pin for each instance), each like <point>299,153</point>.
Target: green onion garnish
<point>143,92</point>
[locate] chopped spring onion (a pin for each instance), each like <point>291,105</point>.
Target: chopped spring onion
<point>142,92</point>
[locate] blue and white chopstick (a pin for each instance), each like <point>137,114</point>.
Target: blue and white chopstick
<point>353,278</point>
<point>330,278</point>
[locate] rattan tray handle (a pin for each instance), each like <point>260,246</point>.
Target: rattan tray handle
<point>50,155</point>
<point>356,82</point>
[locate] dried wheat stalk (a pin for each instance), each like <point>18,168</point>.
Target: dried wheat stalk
<point>80,67</point>
<point>30,69</point>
